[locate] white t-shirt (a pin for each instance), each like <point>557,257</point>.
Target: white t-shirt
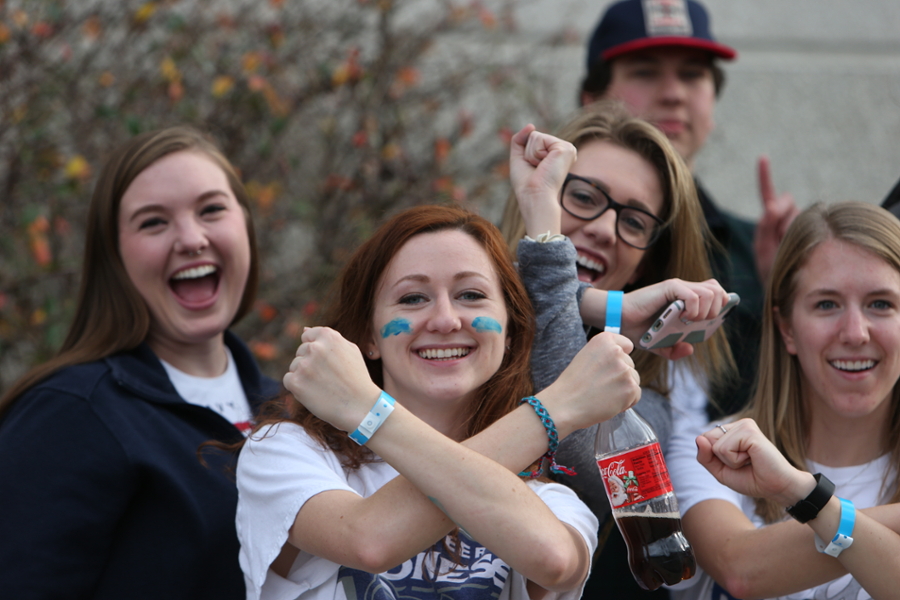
<point>688,396</point>
<point>281,467</point>
<point>223,394</point>
<point>693,484</point>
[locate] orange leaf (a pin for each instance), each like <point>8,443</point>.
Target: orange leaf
<point>92,28</point>
<point>39,226</point>
<point>222,85</point>
<point>20,18</point>
<point>251,61</point>
<point>256,83</point>
<point>263,350</point>
<point>4,33</point>
<point>408,76</point>
<point>38,316</point>
<point>42,29</point>
<point>310,308</point>
<point>391,151</point>
<point>40,249</point>
<point>106,79</point>
<point>266,311</point>
<point>293,329</point>
<point>441,150</point>
<point>176,91</point>
<point>487,18</point>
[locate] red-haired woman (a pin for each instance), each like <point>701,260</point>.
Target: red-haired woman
<point>430,312</point>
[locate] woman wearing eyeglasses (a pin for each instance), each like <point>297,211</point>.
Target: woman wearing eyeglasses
<point>628,219</point>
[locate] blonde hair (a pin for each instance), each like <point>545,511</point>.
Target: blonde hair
<point>684,255</point>
<point>777,405</point>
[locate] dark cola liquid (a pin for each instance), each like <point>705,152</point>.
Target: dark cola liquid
<point>658,552</point>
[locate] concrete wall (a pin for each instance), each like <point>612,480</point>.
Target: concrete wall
<point>816,86</point>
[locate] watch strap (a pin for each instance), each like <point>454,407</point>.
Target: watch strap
<point>808,509</point>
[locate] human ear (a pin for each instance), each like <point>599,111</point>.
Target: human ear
<point>371,349</point>
<point>787,332</point>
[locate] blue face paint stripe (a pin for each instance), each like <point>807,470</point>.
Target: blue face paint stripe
<point>482,324</point>
<point>396,327</point>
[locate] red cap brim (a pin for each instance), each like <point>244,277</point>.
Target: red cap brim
<point>720,50</point>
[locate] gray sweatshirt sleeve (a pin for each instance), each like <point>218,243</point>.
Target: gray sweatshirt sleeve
<point>548,271</point>
<point>551,279</point>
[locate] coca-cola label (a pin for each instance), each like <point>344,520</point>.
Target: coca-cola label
<point>635,476</point>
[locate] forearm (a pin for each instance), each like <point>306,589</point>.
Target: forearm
<point>551,280</point>
<point>782,559</point>
<point>490,502</point>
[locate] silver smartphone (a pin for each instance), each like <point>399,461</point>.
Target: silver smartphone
<point>669,328</point>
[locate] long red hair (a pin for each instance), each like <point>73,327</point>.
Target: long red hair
<point>352,308</point>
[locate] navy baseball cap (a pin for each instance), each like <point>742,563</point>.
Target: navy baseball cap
<point>633,25</point>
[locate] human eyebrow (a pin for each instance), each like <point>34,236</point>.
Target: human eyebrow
<point>155,208</point>
<point>468,274</point>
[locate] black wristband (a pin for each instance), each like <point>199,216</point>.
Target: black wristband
<point>808,508</point>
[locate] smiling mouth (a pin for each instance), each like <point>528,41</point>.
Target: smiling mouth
<point>853,366</point>
<point>443,353</point>
<point>589,270</point>
<point>196,284</point>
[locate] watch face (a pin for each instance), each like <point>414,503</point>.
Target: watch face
<point>808,508</point>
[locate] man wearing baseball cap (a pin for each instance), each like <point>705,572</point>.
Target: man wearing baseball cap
<point>661,60</point>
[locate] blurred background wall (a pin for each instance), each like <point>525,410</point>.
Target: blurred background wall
<point>816,87</point>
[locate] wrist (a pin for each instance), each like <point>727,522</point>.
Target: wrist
<point>561,416</point>
<point>808,507</point>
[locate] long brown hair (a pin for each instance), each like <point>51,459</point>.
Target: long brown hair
<point>777,405</point>
<point>111,315</point>
<point>352,309</point>
<point>681,250</point>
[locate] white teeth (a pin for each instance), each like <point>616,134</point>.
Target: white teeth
<point>590,264</point>
<point>853,365</point>
<point>432,353</point>
<point>195,272</point>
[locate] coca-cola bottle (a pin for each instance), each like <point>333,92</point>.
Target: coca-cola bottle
<point>643,503</point>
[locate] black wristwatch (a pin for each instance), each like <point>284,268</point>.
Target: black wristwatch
<point>808,508</point>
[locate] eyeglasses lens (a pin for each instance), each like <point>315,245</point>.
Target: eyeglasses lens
<point>585,201</point>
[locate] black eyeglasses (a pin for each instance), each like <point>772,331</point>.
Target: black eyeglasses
<point>585,200</point>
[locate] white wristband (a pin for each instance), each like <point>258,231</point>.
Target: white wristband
<point>383,407</point>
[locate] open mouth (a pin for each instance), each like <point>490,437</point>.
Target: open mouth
<point>589,270</point>
<point>195,285</point>
<point>853,366</point>
<point>443,353</point>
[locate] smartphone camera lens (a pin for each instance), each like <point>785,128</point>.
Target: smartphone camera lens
<point>657,325</point>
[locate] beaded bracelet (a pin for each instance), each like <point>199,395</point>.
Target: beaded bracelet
<point>553,437</point>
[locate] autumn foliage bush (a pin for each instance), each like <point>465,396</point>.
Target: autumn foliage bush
<point>336,112</point>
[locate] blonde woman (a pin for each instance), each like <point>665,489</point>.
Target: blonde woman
<point>827,402</point>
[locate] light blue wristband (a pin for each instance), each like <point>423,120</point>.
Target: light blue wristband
<point>843,538</point>
<point>383,407</point>
<point>614,312</point>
